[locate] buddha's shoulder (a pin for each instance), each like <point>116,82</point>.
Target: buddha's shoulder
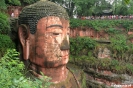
<point>75,79</point>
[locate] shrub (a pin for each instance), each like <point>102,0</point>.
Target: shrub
<point>119,45</point>
<point>112,31</point>
<point>12,73</point>
<point>81,45</point>
<point>4,24</point>
<point>5,43</point>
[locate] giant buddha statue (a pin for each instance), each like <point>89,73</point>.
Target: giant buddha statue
<point>43,30</point>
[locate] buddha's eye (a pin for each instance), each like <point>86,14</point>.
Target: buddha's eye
<point>68,33</point>
<point>56,33</point>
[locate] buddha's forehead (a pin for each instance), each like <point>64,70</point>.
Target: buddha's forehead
<point>50,20</point>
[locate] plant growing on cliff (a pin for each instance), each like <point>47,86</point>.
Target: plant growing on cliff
<point>119,46</point>
<point>12,73</point>
<point>81,45</point>
<point>129,68</point>
<point>4,23</point>
<point>5,43</point>
<point>128,25</point>
<point>112,31</point>
<point>102,24</point>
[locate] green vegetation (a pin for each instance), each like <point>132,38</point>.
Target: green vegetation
<point>81,46</point>
<point>113,65</point>
<point>83,7</point>
<point>5,43</point>
<point>12,73</point>
<point>108,25</point>
<point>84,50</point>
<point>120,47</point>
<point>120,50</point>
<point>4,24</point>
<point>83,77</point>
<point>5,3</point>
<point>96,7</point>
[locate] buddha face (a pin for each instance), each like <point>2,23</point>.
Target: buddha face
<point>49,46</point>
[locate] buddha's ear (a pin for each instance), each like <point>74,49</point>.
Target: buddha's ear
<point>24,33</point>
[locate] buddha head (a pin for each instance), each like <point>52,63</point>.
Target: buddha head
<point>44,35</point>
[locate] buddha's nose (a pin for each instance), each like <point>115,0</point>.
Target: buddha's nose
<point>65,44</point>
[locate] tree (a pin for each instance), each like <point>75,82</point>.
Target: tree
<point>122,7</point>
<point>3,5</point>
<point>13,2</point>
<point>69,5</point>
<point>4,23</point>
<point>84,7</point>
<point>27,2</point>
<point>127,1</point>
<point>130,7</point>
<point>19,2</point>
<point>79,7</point>
<point>100,6</point>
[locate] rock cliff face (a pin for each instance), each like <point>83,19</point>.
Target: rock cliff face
<point>89,32</point>
<point>98,77</point>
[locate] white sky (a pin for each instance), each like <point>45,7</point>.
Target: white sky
<point>111,1</point>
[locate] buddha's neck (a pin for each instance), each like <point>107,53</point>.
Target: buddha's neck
<point>58,74</point>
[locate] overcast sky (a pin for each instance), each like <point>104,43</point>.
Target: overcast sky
<point>111,1</point>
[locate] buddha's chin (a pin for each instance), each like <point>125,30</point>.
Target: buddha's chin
<point>57,63</point>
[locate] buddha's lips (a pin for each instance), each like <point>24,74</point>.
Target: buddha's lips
<point>64,56</point>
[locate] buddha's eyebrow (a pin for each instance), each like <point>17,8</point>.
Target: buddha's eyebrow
<point>55,25</point>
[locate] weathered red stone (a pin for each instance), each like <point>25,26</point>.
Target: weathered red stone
<point>88,32</point>
<point>45,42</point>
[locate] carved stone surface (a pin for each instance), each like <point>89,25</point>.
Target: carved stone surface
<point>89,32</point>
<point>44,35</point>
<point>104,53</point>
